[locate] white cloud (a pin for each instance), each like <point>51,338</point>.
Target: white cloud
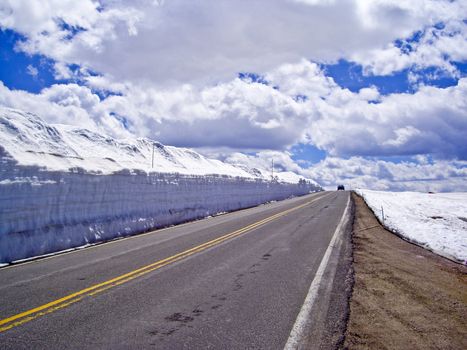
<point>210,41</point>
<point>253,116</point>
<point>357,172</point>
<point>436,47</point>
<point>400,124</point>
<point>63,104</point>
<point>65,30</point>
<point>31,70</point>
<point>301,78</point>
<point>33,17</point>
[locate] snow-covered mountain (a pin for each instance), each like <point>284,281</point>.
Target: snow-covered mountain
<point>63,187</point>
<point>31,141</point>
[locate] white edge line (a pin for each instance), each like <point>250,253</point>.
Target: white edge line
<point>298,328</point>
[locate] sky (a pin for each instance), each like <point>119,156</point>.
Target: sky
<point>369,94</point>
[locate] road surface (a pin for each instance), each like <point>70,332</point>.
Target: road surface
<point>234,281</point>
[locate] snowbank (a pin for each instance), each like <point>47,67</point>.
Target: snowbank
<point>437,222</point>
<point>63,187</point>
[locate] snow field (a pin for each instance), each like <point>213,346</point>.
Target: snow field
<point>437,222</point>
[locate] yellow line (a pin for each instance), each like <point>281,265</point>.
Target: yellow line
<point>57,304</point>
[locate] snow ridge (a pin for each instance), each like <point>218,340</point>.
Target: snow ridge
<point>31,141</point>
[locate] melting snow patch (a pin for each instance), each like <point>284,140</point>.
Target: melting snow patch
<point>433,221</point>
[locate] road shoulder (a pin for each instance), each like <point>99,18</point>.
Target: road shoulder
<point>323,321</point>
<point>331,313</point>
<point>403,296</point>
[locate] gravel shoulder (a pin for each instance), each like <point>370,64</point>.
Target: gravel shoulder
<point>404,297</point>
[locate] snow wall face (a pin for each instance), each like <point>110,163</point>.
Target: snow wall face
<point>43,212</point>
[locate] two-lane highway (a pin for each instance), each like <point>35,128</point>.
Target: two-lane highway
<point>234,281</point>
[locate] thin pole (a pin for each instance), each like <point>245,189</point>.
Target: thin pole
<point>272,170</point>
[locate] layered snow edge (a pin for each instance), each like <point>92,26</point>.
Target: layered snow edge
<point>437,222</point>
<point>61,187</point>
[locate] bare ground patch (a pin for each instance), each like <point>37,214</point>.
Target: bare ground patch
<point>404,297</point>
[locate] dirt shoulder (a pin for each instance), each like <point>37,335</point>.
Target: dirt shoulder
<point>404,297</point>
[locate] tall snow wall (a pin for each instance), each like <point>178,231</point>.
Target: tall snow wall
<point>47,211</point>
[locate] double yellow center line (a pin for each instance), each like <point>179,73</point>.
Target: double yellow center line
<point>61,303</point>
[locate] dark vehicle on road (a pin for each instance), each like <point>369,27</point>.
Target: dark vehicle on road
<point>340,188</point>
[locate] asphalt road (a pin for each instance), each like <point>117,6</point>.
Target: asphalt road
<point>170,289</point>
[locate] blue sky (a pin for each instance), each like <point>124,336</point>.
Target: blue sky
<point>344,90</point>
<point>14,64</point>
<point>350,75</point>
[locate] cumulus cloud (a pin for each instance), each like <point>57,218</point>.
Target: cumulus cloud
<point>400,124</point>
<point>62,104</point>
<point>67,30</point>
<point>254,116</point>
<point>418,174</point>
<point>31,70</point>
<point>210,41</point>
<point>435,46</point>
<point>358,172</point>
